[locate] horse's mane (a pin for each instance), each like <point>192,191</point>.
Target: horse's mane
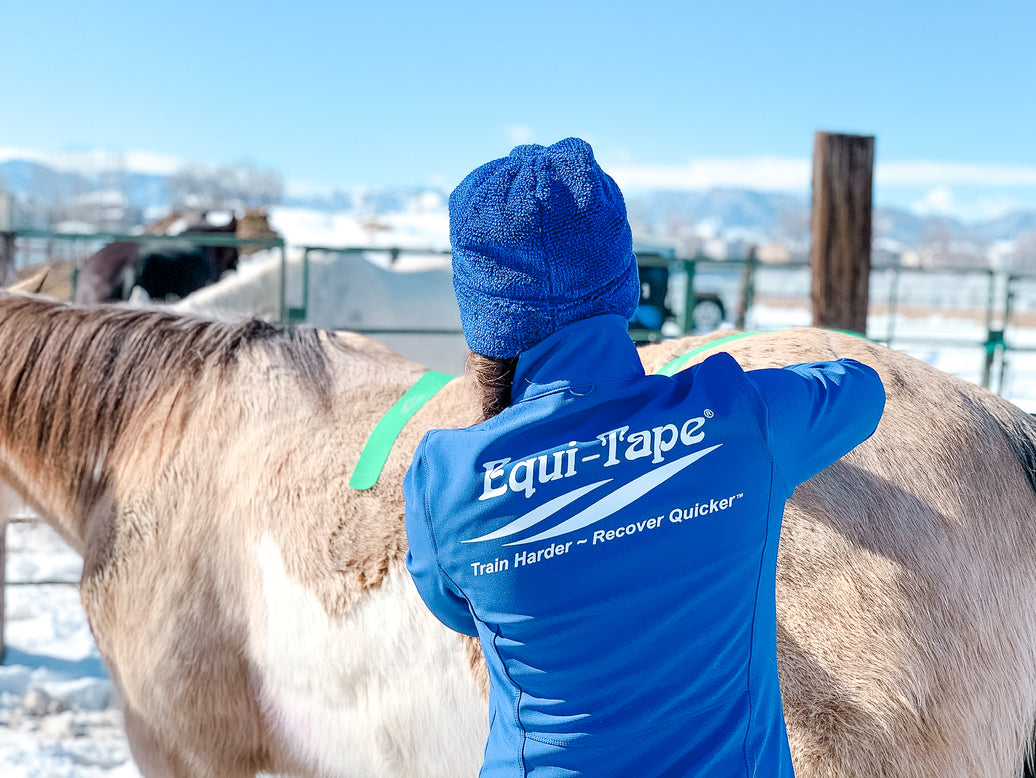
<point>72,377</point>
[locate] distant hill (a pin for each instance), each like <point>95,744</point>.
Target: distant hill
<point>55,188</point>
<point>749,215</point>
<point>728,209</point>
<point>768,214</point>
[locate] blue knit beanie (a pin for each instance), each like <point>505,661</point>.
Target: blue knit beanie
<point>540,240</point>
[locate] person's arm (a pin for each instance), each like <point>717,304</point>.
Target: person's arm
<point>816,413</point>
<point>438,592</point>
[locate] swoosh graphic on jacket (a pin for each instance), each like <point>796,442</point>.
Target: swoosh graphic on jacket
<point>619,499</point>
<point>542,513</point>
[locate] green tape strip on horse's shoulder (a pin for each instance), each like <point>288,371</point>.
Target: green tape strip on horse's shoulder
<point>674,366</point>
<point>379,445</point>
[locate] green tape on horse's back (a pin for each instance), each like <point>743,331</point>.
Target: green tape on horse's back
<point>676,365</point>
<point>379,444</point>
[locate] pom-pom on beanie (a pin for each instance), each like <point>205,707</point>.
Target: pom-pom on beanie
<point>540,240</point>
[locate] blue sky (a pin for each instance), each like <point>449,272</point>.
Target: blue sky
<point>684,94</point>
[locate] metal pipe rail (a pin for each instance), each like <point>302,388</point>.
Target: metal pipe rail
<point>688,270</point>
<point>195,238</point>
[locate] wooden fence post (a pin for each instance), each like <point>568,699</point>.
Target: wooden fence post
<point>840,252</point>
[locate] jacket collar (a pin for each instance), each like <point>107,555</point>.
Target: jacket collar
<point>591,351</point>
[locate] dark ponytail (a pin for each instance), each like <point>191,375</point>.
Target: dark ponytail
<point>493,378</point>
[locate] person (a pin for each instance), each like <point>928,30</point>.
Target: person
<point>610,536</point>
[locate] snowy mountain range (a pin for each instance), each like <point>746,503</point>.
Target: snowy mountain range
<point>53,188</point>
<point>680,218</point>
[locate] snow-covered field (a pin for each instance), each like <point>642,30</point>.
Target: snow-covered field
<point>58,718</point>
<point>58,715</point>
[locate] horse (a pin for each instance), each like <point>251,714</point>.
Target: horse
<point>175,274</point>
<point>256,616</point>
<point>110,273</point>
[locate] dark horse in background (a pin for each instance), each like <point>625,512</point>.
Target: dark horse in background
<point>110,274</point>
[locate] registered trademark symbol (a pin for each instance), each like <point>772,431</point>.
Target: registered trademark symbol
<point>709,414</point>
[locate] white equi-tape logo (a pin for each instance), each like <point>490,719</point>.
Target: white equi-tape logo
<point>600,510</point>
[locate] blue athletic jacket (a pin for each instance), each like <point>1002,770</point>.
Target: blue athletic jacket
<point>611,538</point>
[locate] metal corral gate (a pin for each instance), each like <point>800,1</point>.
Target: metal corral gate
<point>910,308</point>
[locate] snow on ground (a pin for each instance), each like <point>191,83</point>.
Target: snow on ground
<point>359,291</point>
<point>420,227</point>
<point>58,718</point>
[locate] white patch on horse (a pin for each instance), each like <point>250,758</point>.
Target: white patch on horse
<point>382,691</point>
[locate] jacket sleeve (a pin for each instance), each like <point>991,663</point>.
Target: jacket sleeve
<point>438,592</point>
<point>816,413</point>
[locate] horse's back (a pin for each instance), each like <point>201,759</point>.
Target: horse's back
<point>906,577</point>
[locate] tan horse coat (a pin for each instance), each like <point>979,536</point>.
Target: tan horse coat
<point>255,613</point>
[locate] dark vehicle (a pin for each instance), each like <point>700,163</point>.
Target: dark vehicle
<point>655,309</point>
